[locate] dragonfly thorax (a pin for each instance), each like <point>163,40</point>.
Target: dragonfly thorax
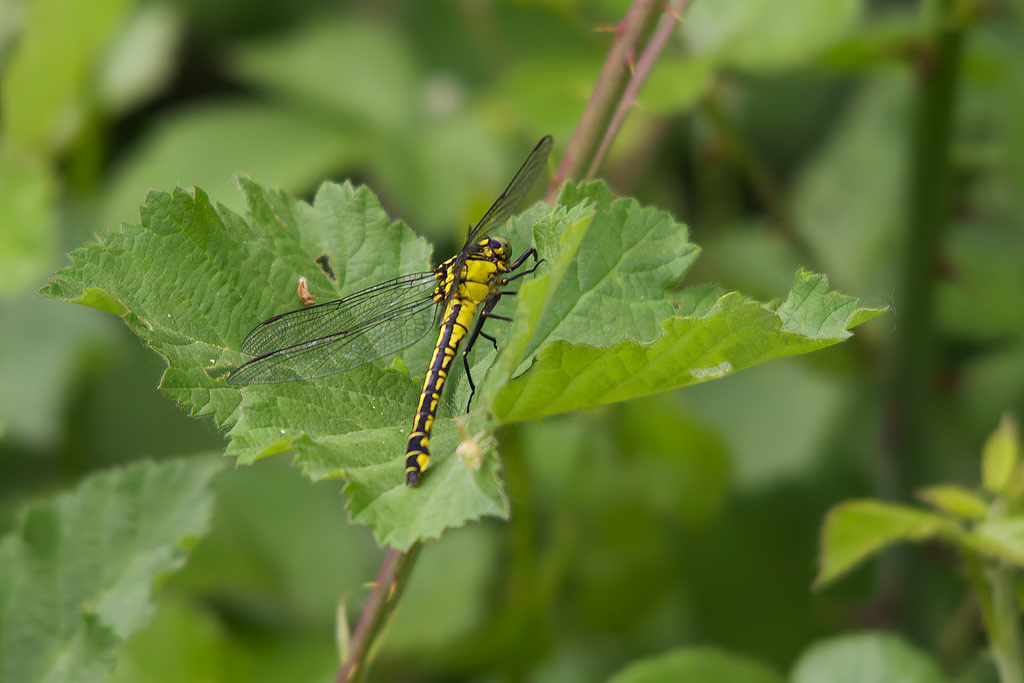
<point>484,268</point>
<point>480,274</point>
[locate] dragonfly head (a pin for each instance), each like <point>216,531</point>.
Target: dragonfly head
<point>500,247</point>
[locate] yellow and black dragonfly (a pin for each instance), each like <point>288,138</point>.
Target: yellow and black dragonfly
<point>384,319</point>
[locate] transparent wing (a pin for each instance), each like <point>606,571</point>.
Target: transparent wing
<point>339,335</point>
<point>313,322</point>
<point>505,205</point>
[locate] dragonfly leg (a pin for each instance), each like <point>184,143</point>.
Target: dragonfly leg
<point>494,342</point>
<point>478,331</point>
<point>522,257</point>
<point>469,376</point>
<point>510,278</point>
<point>465,357</point>
<point>486,313</point>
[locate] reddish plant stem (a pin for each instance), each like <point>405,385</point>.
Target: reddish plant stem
<point>643,68</point>
<point>606,92</point>
<point>388,588</point>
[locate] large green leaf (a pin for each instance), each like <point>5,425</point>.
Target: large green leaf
<point>192,279</point>
<point>613,327</point>
<point>696,666</point>
<point>78,571</point>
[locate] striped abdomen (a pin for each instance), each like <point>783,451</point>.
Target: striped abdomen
<point>457,318</point>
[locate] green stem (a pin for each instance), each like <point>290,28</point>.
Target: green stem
<point>994,586</point>
<point>910,375</point>
<point>391,581</point>
<point>1004,629</point>
<point>910,381</point>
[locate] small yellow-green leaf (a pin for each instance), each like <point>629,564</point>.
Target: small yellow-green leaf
<point>94,297</point>
<point>857,529</point>
<point>956,500</point>
<point>999,455</point>
<point>1001,537</point>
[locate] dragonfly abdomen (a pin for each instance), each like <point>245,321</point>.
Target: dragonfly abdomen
<point>457,318</point>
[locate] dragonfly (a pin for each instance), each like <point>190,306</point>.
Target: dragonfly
<point>379,321</point>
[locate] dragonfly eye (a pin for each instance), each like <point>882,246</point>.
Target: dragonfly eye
<point>500,246</point>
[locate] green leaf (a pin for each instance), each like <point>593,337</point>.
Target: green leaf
<point>855,235</point>
<point>43,102</point>
<point>184,642</point>
<point>787,408</point>
<point>1000,537</point>
<point>28,189</point>
<point>381,93</point>
<point>353,424</point>
<point>708,337</point>
<point>142,59</point>
<point>39,376</point>
<point>955,500</point>
<point>754,35</point>
<point>999,455</point>
<point>864,657</point>
<point>80,567</point>
<point>855,530</point>
<point>696,665</point>
<point>210,144</point>
<point>550,91</point>
<point>184,281</point>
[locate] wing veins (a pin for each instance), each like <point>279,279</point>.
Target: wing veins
<point>306,324</point>
<point>346,349</point>
<point>516,190</point>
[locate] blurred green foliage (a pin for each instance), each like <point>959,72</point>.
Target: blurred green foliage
<point>779,132</point>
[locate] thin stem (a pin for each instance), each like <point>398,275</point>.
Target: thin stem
<point>1004,628</point>
<point>606,91</point>
<point>643,68</point>
<point>391,581</point>
<point>994,587</point>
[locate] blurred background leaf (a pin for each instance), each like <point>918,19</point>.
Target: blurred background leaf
<point>79,568</point>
